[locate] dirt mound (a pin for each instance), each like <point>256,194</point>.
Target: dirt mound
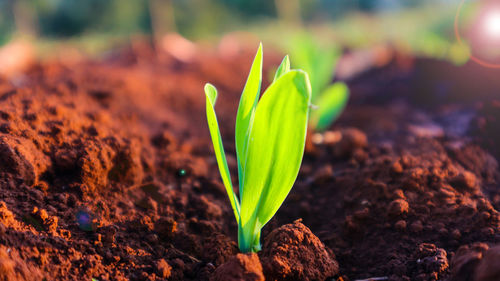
<point>240,267</point>
<point>293,252</point>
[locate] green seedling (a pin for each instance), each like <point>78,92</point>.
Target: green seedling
<point>270,137</point>
<point>319,62</point>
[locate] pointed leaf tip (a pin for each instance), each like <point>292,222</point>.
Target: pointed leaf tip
<point>246,110</point>
<point>283,68</point>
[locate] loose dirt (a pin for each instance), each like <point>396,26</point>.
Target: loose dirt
<point>107,172</point>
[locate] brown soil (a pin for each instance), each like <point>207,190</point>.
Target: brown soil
<point>107,172</point>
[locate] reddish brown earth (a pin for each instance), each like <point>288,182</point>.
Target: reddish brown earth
<point>107,172</point>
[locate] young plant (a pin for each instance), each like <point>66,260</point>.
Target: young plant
<point>270,137</point>
<point>319,62</point>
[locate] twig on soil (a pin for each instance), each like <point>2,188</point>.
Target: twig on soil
<point>374,279</point>
<point>180,253</point>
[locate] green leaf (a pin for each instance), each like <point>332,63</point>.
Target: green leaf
<point>275,150</point>
<point>317,59</point>
<point>324,66</point>
<point>331,103</point>
<point>283,68</point>
<point>246,110</point>
<point>211,95</point>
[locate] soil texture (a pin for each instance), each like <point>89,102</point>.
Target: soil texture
<point>107,172</point>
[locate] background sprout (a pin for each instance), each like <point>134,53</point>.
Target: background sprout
<point>319,61</point>
<point>270,137</point>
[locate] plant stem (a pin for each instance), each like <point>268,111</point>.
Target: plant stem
<point>256,243</point>
<point>249,238</point>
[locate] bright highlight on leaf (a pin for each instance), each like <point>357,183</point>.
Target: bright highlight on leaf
<point>270,137</point>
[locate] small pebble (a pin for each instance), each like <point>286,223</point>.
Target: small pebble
<point>417,226</point>
<point>323,175</point>
<point>456,234</point>
<point>362,214</point>
<point>485,216</point>
<point>398,207</point>
<point>465,180</point>
<point>488,231</point>
<point>163,269</point>
<point>331,137</point>
<point>398,193</point>
<point>443,231</point>
<point>400,225</point>
<point>397,167</point>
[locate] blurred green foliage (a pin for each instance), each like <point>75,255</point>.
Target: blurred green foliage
<point>315,57</point>
<point>421,26</point>
<point>254,7</point>
<point>66,18</point>
<point>319,59</point>
<point>6,22</point>
<point>61,18</point>
<point>197,18</point>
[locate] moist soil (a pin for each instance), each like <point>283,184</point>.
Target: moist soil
<point>107,171</point>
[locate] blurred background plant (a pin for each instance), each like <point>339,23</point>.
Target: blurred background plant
<point>319,57</point>
<point>423,26</point>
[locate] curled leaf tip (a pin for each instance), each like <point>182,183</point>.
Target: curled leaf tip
<point>211,93</point>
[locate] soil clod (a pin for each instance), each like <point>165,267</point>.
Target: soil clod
<point>293,252</point>
<point>242,267</point>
